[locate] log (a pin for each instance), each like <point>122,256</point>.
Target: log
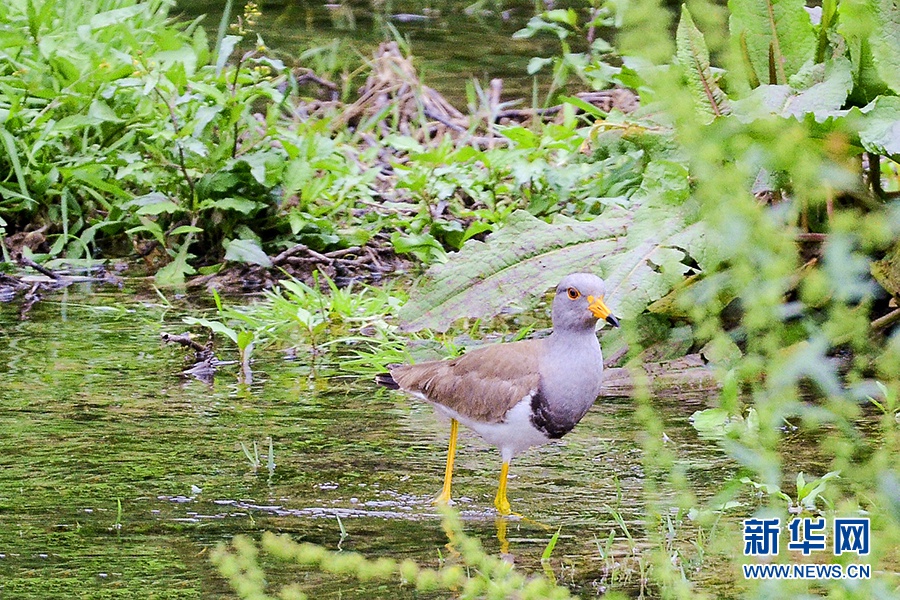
<point>687,374</point>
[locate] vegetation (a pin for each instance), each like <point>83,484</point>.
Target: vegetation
<point>751,211</point>
<point>479,575</point>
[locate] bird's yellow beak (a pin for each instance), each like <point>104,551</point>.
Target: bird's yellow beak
<point>599,309</point>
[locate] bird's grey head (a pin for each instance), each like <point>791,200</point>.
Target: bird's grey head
<point>579,302</point>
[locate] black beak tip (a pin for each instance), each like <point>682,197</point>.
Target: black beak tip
<point>612,320</point>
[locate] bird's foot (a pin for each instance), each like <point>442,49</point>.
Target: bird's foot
<point>443,499</point>
<point>501,503</point>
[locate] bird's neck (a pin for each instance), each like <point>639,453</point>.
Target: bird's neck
<point>582,339</point>
<point>573,347</point>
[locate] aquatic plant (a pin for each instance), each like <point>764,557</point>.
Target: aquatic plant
<point>475,574</point>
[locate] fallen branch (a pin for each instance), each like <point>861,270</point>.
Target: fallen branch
<point>183,339</point>
<point>27,262</point>
<point>888,319</point>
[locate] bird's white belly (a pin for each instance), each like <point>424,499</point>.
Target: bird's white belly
<point>515,434</point>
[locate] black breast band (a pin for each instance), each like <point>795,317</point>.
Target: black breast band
<point>544,420</point>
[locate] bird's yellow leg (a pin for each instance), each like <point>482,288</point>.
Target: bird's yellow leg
<point>501,501</point>
<point>444,496</point>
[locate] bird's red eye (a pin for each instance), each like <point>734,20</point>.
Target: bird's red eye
<point>573,294</point>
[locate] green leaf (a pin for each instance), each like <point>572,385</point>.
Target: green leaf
<point>819,90</point>
<point>879,131</point>
<point>885,41</point>
<point>536,63</point>
<point>186,229</point>
<point>776,37</point>
<point>116,16</point>
<point>246,251</point>
<point>9,144</point>
<point>421,245</point>
<point>562,15</point>
<point>523,137</point>
<point>648,271</point>
<point>693,56</point>
<point>548,551</point>
<point>173,274</point>
<point>224,51</point>
<point>100,112</point>
<point>215,326</point>
<point>520,261</point>
<point>640,253</point>
<point>157,208</point>
<point>712,421</point>
<point>150,227</point>
<point>585,106</point>
<point>265,167</point>
<point>244,338</point>
<point>241,205</point>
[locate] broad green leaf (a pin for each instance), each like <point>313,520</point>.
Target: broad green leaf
<point>519,262</point>
<point>867,83</point>
<point>562,15</point>
<point>158,208</point>
<point>150,227</point>
<point>819,90</point>
<point>173,274</point>
<point>404,143</point>
<point>246,251</point>
<point>712,422</point>
<point>204,115</point>
<point>650,265</point>
<point>183,59</point>
<point>224,51</point>
<point>75,122</point>
<point>522,136</point>
<point>640,259</point>
<point>241,205</point>
<point>775,36</point>
<point>693,56</point>
<point>885,41</point>
<point>421,245</point>
<point>824,89</point>
<point>537,63</point>
<point>879,130</point>
<point>102,113</point>
<point>265,167</point>
<point>244,339</point>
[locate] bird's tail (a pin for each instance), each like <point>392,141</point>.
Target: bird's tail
<point>387,380</point>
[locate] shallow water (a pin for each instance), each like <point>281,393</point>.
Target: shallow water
<point>94,414</point>
<point>452,43</point>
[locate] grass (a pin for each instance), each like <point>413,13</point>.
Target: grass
<point>107,154</point>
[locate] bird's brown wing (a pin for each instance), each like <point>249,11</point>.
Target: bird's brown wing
<point>482,384</point>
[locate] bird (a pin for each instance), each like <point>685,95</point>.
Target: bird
<point>520,394</point>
